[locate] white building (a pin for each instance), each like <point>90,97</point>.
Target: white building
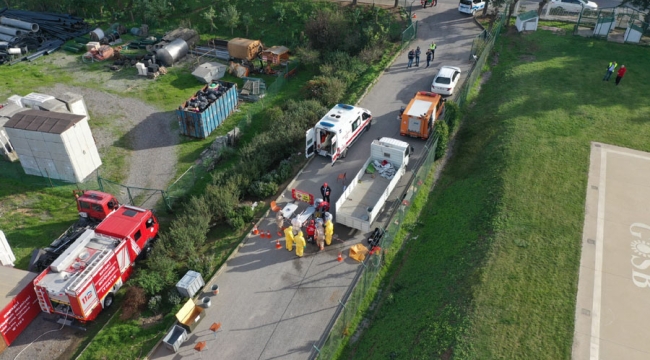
<point>52,144</point>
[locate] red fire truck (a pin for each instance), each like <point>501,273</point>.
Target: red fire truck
<point>82,280</point>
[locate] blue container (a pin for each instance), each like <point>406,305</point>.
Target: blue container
<point>199,123</point>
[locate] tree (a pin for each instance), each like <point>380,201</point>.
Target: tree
<point>210,15</point>
<point>510,10</point>
<point>230,17</point>
<point>247,20</point>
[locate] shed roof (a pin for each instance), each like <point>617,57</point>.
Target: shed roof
<point>277,50</point>
<point>12,281</point>
<point>528,15</point>
<point>43,121</point>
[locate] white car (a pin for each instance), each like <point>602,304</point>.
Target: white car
<point>446,80</point>
<point>573,5</point>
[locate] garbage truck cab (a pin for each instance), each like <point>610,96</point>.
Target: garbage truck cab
<point>336,131</point>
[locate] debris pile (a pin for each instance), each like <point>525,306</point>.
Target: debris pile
<point>203,98</point>
<point>27,35</point>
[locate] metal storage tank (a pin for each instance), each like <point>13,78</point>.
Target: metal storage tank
<point>55,145</point>
<point>172,52</point>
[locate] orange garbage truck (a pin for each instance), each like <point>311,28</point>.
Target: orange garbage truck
<point>419,116</point>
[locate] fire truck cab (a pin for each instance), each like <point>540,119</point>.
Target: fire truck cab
<point>336,131</point>
<point>95,205</point>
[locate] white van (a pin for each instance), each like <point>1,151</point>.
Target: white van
<point>470,6</point>
<point>336,131</point>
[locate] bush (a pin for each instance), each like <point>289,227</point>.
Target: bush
<point>173,297</point>
<point>202,264</point>
<point>452,115</point>
<point>371,54</point>
<point>328,90</point>
<point>154,304</point>
<point>134,301</point>
<point>222,197</point>
<point>261,189</point>
<point>442,131</point>
<point>308,56</point>
<point>326,30</point>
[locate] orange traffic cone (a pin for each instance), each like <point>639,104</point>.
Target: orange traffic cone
<point>255,231</point>
<point>268,234</point>
<point>414,16</point>
<point>277,244</point>
<point>280,233</point>
<point>340,258</point>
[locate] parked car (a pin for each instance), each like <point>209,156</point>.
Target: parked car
<point>471,6</point>
<point>573,5</point>
<point>446,80</point>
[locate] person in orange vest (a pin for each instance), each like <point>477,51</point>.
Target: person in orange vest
<point>329,231</point>
<point>300,244</point>
<point>288,235</point>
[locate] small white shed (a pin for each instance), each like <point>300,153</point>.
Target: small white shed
<point>52,144</point>
<point>527,21</point>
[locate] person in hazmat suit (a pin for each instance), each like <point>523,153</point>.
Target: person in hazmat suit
<point>319,235</point>
<point>279,221</point>
<point>300,244</point>
<point>295,223</point>
<point>329,231</point>
<point>288,234</point>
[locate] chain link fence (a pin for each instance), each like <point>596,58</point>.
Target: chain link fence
<point>481,49</point>
<point>14,171</point>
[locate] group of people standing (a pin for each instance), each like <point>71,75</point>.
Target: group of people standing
<point>611,68</point>
<point>415,55</point>
<point>319,230</point>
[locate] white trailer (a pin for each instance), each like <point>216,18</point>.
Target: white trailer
<point>368,191</point>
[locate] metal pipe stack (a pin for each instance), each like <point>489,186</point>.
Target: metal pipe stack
<point>40,33</point>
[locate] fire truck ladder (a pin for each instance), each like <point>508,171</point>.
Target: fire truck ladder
<point>41,294</point>
<point>89,270</point>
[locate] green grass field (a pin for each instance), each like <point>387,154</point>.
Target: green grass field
<point>494,272</point>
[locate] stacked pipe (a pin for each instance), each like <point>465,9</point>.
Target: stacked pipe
<point>39,33</point>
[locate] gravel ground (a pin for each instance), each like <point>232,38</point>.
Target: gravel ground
<point>151,165</point>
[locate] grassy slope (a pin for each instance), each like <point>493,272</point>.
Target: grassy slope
<point>496,272</point>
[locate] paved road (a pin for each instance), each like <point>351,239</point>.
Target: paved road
<point>274,305</point>
<point>611,305</point>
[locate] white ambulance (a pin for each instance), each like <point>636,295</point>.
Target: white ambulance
<point>337,131</point>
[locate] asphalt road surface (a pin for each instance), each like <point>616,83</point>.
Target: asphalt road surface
<point>272,304</point>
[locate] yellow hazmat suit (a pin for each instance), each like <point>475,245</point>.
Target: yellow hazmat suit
<point>300,244</point>
<point>329,231</point>
<point>288,234</point>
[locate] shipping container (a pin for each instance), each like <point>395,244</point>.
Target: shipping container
<point>175,338</point>
<point>207,109</point>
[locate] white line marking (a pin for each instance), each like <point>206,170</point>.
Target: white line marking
<point>598,269</point>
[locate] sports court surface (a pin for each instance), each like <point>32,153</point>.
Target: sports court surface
<point>613,303</point>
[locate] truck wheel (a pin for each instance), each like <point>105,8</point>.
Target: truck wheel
<point>108,301</point>
<point>368,126</point>
<point>146,252</point>
<point>344,154</point>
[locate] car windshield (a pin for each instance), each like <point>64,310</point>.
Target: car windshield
<point>466,2</point>
<point>443,80</point>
